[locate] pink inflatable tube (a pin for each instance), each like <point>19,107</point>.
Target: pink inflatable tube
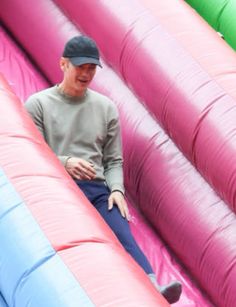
<point>191,218</point>
<point>24,80</point>
<point>195,109</point>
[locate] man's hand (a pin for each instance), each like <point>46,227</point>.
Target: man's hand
<point>117,198</point>
<point>80,169</point>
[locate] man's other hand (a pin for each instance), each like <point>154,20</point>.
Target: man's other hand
<point>80,169</point>
<point>117,198</point>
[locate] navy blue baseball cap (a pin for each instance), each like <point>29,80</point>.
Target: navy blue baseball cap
<point>82,50</point>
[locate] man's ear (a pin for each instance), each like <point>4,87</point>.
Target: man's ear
<point>63,63</point>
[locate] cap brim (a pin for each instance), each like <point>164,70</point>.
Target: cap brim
<point>77,61</point>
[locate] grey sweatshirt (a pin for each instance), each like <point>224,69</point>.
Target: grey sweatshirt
<point>86,128</point>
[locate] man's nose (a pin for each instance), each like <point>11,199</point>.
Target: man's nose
<point>84,72</point>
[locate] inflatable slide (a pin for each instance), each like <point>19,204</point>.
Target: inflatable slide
<point>176,97</point>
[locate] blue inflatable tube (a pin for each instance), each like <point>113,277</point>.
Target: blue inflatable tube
<point>26,256</point>
<point>2,301</point>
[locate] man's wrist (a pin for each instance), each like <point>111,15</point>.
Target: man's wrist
<point>66,161</point>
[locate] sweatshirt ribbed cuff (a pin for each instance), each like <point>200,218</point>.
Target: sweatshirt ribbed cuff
<point>64,159</point>
<point>117,187</point>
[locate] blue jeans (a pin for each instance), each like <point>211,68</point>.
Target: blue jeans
<point>97,193</point>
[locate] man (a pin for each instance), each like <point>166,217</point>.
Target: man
<point>82,128</point>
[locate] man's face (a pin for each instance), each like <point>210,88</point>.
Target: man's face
<point>78,77</point>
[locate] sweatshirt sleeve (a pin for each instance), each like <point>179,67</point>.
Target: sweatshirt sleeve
<point>63,159</point>
<point>35,110</point>
<point>112,152</point>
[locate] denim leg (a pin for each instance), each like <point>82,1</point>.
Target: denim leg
<point>98,195</point>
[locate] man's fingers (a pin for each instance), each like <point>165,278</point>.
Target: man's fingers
<point>119,205</point>
<point>87,165</point>
<point>86,173</point>
<point>90,171</point>
<point>110,203</point>
<point>79,175</point>
<point>80,168</point>
<point>122,209</point>
<point>76,175</point>
<point>127,215</point>
<point>118,199</point>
